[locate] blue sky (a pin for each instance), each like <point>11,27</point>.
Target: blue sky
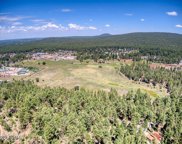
<point>48,18</point>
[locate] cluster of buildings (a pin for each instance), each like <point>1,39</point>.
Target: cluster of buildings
<point>56,56</point>
<point>119,53</point>
<point>167,66</point>
<point>13,71</point>
<point>7,70</point>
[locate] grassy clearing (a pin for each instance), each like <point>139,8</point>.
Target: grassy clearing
<point>73,73</point>
<point>150,92</point>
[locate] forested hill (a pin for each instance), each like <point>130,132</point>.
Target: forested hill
<point>153,40</point>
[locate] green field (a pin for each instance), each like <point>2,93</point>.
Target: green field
<point>69,74</point>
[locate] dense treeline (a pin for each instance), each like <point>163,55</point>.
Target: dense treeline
<point>171,79</point>
<point>166,46</point>
<point>80,116</point>
<point>105,53</point>
<point>6,59</point>
<point>135,40</point>
<point>151,54</point>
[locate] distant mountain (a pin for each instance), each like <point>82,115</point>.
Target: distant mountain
<point>145,40</point>
<point>17,41</point>
<point>105,34</point>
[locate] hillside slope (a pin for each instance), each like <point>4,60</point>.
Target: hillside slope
<point>133,40</point>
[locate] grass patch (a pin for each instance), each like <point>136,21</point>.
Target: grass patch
<point>33,69</point>
<point>5,125</point>
<point>151,93</point>
<point>72,73</point>
<point>114,84</point>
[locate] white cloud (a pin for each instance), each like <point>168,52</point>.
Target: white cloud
<point>75,26</point>
<point>172,13</point>
<point>6,18</point>
<point>78,27</point>
<point>17,27</point>
<point>107,25</point>
<point>142,20</point>
<point>92,28</point>
<point>48,26</point>
<point>179,26</point>
<point>16,23</point>
<point>66,10</point>
<point>63,28</point>
<point>128,14</point>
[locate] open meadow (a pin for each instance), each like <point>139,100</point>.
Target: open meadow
<point>90,75</point>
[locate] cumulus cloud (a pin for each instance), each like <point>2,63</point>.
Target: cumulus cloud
<point>172,13</point>
<point>78,27</point>
<point>66,10</point>
<point>107,25</point>
<point>75,26</point>
<point>179,26</point>
<point>142,20</point>
<point>45,27</point>
<point>92,28</point>
<point>48,26</point>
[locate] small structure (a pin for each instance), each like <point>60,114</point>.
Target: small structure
<point>3,69</point>
<point>23,71</point>
<point>101,61</point>
<point>166,66</point>
<point>144,57</point>
<point>180,63</point>
<point>149,136</point>
<point>154,66</point>
<point>153,137</point>
<point>13,71</point>
<point>157,136</point>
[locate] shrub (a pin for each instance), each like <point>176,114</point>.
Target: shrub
<point>37,79</point>
<point>76,88</point>
<point>44,63</point>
